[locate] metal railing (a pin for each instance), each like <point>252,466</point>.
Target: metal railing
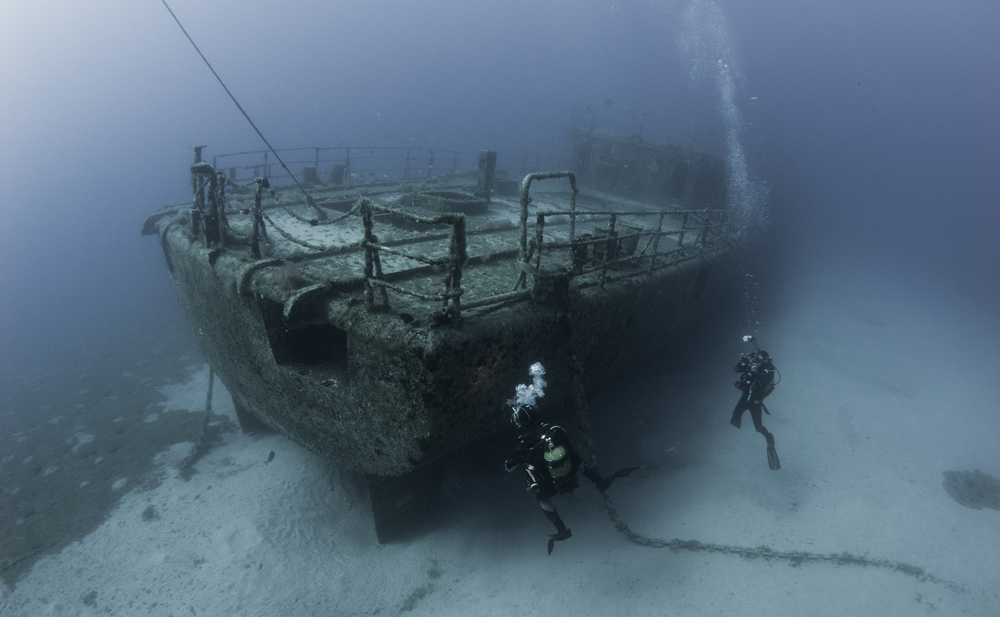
<point>342,165</point>
<point>618,249</point>
<point>600,252</point>
<point>374,277</point>
<point>712,226</point>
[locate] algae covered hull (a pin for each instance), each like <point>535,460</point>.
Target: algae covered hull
<point>384,326</point>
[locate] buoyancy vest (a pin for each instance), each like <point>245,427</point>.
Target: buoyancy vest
<point>558,453</point>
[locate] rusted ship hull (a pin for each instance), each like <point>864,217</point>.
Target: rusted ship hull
<point>405,394</point>
<point>385,331</point>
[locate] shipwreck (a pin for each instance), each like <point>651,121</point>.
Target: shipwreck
<point>379,308</point>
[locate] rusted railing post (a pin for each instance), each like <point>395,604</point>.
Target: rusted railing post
<point>522,253</point>
<point>703,236</point>
<point>539,235</point>
<point>212,215</point>
<point>373,265</point>
<point>223,219</point>
<point>572,215</point>
<point>213,224</point>
<point>656,242</point>
<point>258,217</point>
<point>487,168</point>
<point>457,256</point>
<point>198,192</point>
<point>610,248</point>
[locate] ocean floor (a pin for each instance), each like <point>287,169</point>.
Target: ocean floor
<point>884,388</point>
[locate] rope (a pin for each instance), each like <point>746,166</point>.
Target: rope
<point>208,395</point>
<point>203,445</point>
<point>311,222</point>
<point>291,238</point>
<point>309,198</point>
<point>793,558</point>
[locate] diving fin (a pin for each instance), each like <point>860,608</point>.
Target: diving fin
<point>772,459</point>
<point>564,534</point>
<point>605,484</point>
<point>621,473</point>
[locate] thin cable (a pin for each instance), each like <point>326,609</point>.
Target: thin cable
<point>309,198</point>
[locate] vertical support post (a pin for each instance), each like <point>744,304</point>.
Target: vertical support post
<point>457,256</point>
<point>539,236</point>
<point>703,236</point>
<point>680,238</point>
<point>366,218</point>
<point>430,165</point>
<point>522,249</point>
<point>522,254</point>
<point>373,265</point>
<point>223,221</point>
<point>198,192</point>
<point>213,229</point>
<point>610,249</point>
<point>258,218</point>
<point>656,241</point>
<point>572,208</point>
<point>487,168</point>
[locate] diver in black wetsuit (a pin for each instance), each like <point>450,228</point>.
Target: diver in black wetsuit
<point>549,464</point>
<point>756,382</point>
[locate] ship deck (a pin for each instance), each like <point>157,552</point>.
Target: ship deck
<point>383,326</point>
<point>302,253</point>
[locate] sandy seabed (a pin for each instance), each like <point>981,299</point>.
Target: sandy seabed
<point>883,389</point>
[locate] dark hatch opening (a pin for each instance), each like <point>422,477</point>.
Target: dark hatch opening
<point>315,344</point>
<point>319,346</point>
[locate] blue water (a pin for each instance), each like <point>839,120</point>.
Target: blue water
<point>862,142</point>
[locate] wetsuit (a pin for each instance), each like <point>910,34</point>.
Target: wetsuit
<point>547,478</point>
<point>755,385</point>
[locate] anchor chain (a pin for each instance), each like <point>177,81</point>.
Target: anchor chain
<point>792,558</point>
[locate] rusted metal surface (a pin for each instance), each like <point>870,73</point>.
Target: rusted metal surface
<point>384,334</point>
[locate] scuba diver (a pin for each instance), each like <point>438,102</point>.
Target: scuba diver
<point>756,382</point>
<point>549,464</point>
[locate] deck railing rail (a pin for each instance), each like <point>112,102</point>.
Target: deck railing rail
<point>611,248</point>
<point>374,276</point>
<point>617,250</point>
<point>342,164</point>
